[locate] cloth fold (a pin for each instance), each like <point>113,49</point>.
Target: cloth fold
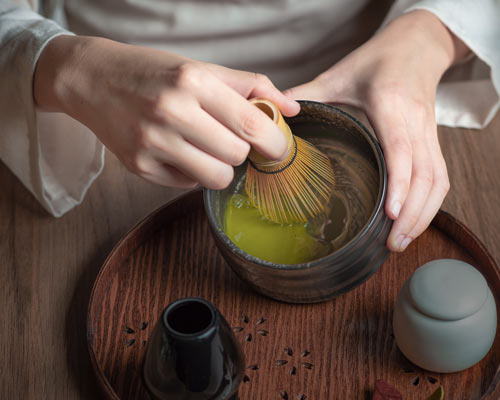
<point>54,156</point>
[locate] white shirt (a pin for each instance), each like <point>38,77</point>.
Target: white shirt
<point>291,41</point>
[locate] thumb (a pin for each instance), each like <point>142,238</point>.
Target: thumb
<point>314,90</point>
<point>331,86</point>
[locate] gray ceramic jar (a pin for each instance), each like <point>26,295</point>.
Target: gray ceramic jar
<point>344,268</point>
<point>445,317</point>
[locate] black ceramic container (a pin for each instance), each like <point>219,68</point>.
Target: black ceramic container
<point>193,354</point>
<point>345,268</point>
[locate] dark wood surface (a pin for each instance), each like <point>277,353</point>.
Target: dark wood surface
<point>334,350</point>
<point>48,265</point>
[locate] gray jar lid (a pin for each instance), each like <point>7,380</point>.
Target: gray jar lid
<point>448,289</point>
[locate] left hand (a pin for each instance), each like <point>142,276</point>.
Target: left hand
<point>393,77</point>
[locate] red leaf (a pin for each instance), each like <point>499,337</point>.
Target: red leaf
<point>385,391</point>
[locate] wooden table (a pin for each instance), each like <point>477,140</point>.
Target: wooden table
<point>48,265</point>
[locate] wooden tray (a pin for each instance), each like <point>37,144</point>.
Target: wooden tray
<point>332,350</point>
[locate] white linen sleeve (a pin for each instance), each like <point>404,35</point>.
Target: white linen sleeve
<point>54,156</point>
<point>468,96</point>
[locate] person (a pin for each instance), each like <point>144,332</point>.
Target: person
<point>163,85</point>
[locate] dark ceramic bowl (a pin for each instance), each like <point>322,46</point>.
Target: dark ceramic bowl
<point>360,170</point>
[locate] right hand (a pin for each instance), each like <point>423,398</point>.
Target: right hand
<point>393,77</point>
<point>172,120</point>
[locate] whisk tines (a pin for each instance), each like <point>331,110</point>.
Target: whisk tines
<point>294,190</point>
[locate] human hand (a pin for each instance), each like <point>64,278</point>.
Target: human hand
<point>393,77</point>
<point>171,120</point>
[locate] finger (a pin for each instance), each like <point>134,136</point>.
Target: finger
<point>200,166</point>
<point>197,127</point>
<point>249,84</point>
<point>392,133</point>
<point>420,188</point>
<point>166,175</point>
<point>162,174</point>
<point>439,190</point>
<point>238,115</point>
<point>265,89</point>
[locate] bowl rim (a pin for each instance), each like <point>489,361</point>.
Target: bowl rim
<point>346,248</point>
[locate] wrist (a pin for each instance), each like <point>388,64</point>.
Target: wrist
<point>56,70</point>
<point>430,38</point>
<point>434,37</point>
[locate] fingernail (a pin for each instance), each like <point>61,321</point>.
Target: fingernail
<point>399,241</point>
<point>395,208</point>
<point>405,243</point>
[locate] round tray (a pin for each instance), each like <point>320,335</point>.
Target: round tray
<point>331,350</point>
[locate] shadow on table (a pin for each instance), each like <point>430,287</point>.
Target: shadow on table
<point>78,359</point>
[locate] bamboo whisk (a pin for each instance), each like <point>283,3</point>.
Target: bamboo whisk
<point>294,190</point>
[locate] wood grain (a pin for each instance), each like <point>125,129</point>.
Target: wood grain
<point>48,265</point>
<point>333,350</point>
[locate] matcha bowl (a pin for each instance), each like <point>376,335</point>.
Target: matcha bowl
<point>349,240</point>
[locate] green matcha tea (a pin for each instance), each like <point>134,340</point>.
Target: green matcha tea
<point>350,207</point>
<point>278,243</point>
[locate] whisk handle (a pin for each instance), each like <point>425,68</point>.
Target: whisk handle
<point>273,112</point>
